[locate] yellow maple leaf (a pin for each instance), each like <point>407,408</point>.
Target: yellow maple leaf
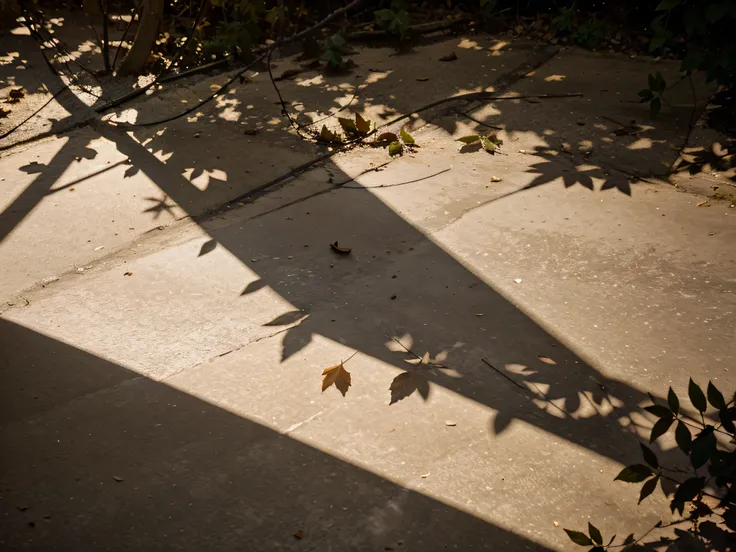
<point>338,376</point>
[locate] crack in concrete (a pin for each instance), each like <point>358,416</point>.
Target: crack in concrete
<point>297,425</point>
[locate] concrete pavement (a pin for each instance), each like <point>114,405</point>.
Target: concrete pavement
<point>167,396</point>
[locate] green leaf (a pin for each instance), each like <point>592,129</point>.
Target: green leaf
<point>668,4</point>
<point>729,517</point>
<point>336,41</point>
<point>689,489</point>
<point>696,396</point>
<point>347,125</point>
<point>659,411</point>
<point>652,81</point>
<point>328,136</point>
<point>401,23</point>
<point>703,447</point>
<point>595,534</point>
<point>468,139</point>
<point>660,428</point>
<point>659,38</point>
<point>715,397</point>
<point>493,137</point>
<point>634,474</point>
<point>655,106</point>
<point>661,84</point>
<point>384,15</point>
<point>630,539</point>
<point>673,401</point>
<point>646,95</point>
<point>726,416</point>
<point>693,58</point>
<point>649,456</point>
<point>395,148</point>
<point>488,144</point>
<point>579,538</point>
<point>716,12</point>
<point>683,438</point>
<point>363,125</point>
<point>648,488</point>
<point>407,138</point>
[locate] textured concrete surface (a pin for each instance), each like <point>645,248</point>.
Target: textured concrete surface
<point>168,396</point>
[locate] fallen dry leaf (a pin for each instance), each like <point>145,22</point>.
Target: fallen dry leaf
<point>327,136</point>
<point>288,74</point>
<point>627,131</point>
<point>128,274</point>
<point>705,203</point>
<point>452,56</point>
<point>338,376</point>
<point>532,100</point>
<point>341,250</point>
<point>422,79</point>
<point>518,280</point>
<point>118,478</point>
<point>557,523</point>
<point>496,179</point>
<point>298,534</point>
<point>546,359</point>
<point>424,475</point>
<point>450,423</point>
<point>15,95</point>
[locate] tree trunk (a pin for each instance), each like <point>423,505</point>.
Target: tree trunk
<point>152,14</point>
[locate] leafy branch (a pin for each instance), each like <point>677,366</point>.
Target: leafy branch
<point>712,471</point>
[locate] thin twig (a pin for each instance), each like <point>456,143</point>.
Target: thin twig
<point>512,380</point>
<point>721,498</point>
<point>478,121</point>
<point>105,36</point>
<point>683,419</point>
<point>187,41</point>
<point>658,525</point>
<point>296,171</point>
<point>540,395</point>
<point>421,28</point>
<point>335,112</point>
<point>32,115</point>
<point>292,38</point>
<point>690,128</point>
<point>133,15</point>
<point>284,109</point>
<point>351,356</point>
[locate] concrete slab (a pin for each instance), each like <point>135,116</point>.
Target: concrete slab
<point>170,396</point>
<point>101,187</point>
<point>156,468</point>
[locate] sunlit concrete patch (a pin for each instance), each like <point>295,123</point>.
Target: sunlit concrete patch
<point>72,200</point>
<point>443,447</point>
<point>169,316</point>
